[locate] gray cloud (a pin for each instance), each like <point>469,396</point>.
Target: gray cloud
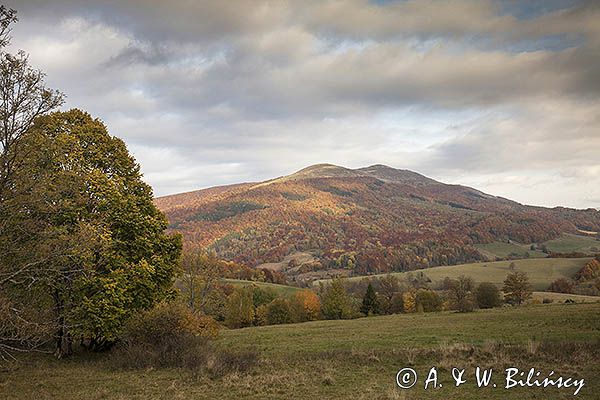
<point>210,93</point>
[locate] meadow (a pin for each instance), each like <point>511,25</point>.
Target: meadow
<point>541,271</point>
<point>568,242</point>
<point>565,243</point>
<point>350,359</point>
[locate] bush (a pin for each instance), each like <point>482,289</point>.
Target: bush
<point>409,303</point>
<point>169,335</point>
<point>487,295</point>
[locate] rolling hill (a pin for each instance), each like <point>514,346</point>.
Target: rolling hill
<point>369,220</point>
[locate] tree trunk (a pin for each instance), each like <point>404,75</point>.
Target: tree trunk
<point>64,341</point>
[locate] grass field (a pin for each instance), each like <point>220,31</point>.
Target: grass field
<point>355,359</point>
<point>541,271</point>
<point>568,242</point>
<point>562,297</point>
<point>505,250</point>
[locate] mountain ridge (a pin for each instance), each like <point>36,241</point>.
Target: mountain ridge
<point>360,221</point>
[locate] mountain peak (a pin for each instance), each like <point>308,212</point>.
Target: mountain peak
<point>389,174</point>
<point>324,171</point>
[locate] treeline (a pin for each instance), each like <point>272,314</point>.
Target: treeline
<point>238,305</point>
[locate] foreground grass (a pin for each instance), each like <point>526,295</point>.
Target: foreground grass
<point>351,359</point>
<point>541,271</point>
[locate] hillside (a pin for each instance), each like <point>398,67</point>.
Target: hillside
<point>376,219</point>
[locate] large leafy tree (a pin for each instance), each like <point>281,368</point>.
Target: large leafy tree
<point>93,241</point>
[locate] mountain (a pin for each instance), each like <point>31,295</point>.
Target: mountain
<point>375,219</point>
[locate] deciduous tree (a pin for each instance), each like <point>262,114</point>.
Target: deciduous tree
<point>487,295</point>
<point>336,302</point>
<point>91,243</point>
<point>517,288</point>
<point>240,308</point>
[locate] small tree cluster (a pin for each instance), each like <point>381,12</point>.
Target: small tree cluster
<point>249,305</point>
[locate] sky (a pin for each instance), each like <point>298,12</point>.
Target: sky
<point>503,96</point>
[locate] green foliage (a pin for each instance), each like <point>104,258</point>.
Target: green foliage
<point>263,295</point>
<point>240,308</point>
<point>370,303</point>
<point>336,302</point>
<point>106,255</point>
<point>428,300</point>
<point>487,295</point>
<point>279,312</point>
<point>517,288</point>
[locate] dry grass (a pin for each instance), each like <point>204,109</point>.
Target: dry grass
<point>355,359</point>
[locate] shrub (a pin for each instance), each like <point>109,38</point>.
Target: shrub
<point>260,315</point>
<point>409,304</point>
<point>169,335</point>
<point>487,295</point>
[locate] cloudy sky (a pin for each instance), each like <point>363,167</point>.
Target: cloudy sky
<point>500,95</point>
